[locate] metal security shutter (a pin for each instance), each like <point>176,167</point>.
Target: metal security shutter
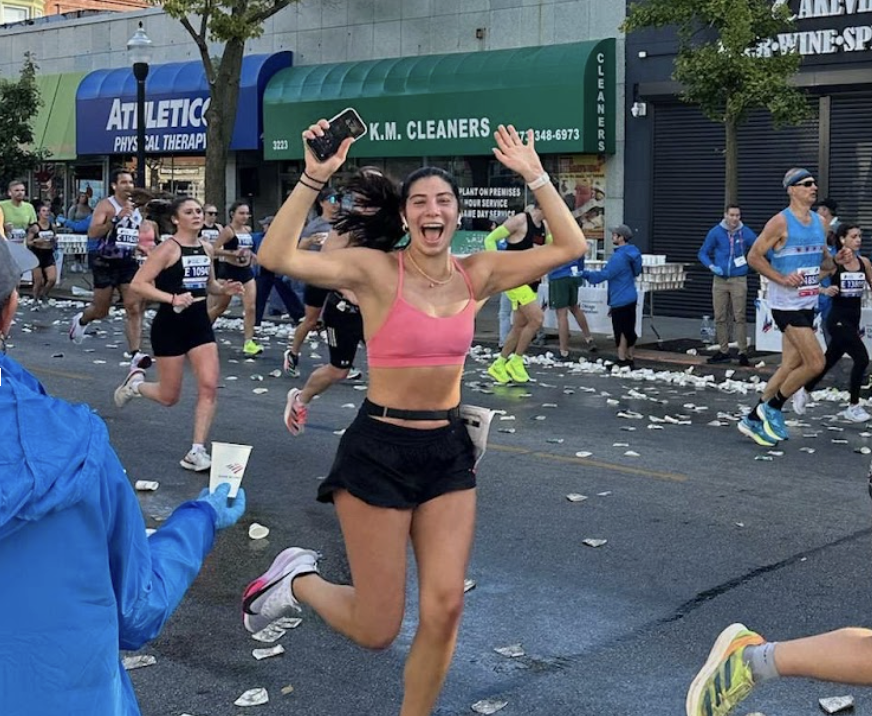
<point>689,189</point>
<point>851,158</point>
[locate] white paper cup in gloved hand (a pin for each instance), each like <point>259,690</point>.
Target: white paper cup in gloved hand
<point>228,465</point>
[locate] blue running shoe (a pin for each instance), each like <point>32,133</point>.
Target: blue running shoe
<point>773,422</point>
<point>754,430</point>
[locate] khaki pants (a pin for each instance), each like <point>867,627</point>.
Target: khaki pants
<point>729,296</point>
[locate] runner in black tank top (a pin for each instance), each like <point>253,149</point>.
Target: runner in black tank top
<point>843,322</point>
<point>178,275</point>
<point>521,232</point>
<point>234,244</point>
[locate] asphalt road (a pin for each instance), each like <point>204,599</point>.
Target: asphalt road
<point>699,532</point>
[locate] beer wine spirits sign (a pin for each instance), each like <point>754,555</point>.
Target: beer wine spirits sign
<point>823,27</point>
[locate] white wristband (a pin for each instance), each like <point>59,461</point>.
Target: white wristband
<point>539,182</point>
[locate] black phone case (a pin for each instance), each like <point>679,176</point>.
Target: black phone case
<point>325,147</point>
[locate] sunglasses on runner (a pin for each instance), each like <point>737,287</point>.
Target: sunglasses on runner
<point>806,183</point>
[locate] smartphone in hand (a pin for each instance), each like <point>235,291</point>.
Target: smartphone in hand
<point>345,124</point>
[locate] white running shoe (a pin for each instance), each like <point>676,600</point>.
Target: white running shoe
<point>856,414</point>
<point>77,330</point>
<point>198,461</point>
<point>800,400</point>
<point>354,374</point>
<point>296,412</point>
<point>129,389</point>
<point>271,595</point>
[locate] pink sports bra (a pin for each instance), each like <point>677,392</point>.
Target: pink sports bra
<point>411,338</point>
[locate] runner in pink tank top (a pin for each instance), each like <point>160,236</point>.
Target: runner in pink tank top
<point>406,467</point>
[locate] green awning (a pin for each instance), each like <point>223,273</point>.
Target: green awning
<point>54,126</point>
<point>446,105</point>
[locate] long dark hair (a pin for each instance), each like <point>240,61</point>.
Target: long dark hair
<point>426,172</point>
<point>842,231</point>
<point>374,221</point>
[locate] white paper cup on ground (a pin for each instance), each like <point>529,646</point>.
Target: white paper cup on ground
<point>228,465</point>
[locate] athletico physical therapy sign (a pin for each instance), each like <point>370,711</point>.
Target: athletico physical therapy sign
<point>176,102</point>
<point>848,28</point>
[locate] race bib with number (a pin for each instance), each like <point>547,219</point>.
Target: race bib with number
<point>196,272</point>
<point>740,261</point>
<point>810,281</point>
<point>851,284</point>
<point>209,234</point>
<point>126,238</point>
<point>245,241</point>
<point>46,235</point>
<point>17,235</point>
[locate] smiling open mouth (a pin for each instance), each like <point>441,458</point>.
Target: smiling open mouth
<point>432,232</point>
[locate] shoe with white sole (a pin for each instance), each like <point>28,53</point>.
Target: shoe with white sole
<point>77,330</point>
<point>196,461</point>
<point>271,595</point>
<point>800,400</point>
<point>856,414</point>
<point>296,412</point>
<point>129,389</point>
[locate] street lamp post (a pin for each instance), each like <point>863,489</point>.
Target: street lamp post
<point>140,48</point>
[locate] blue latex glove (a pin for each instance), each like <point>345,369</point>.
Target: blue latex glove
<point>716,270</point>
<point>226,514</point>
<point>60,221</point>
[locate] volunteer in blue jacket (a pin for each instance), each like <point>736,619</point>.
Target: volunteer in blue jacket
<point>725,253</point>
<point>621,272</point>
<point>563,298</point>
<point>87,581</point>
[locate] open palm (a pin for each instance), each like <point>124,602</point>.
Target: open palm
<point>514,153</point>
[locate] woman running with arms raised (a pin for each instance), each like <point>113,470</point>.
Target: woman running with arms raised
<point>405,467</point>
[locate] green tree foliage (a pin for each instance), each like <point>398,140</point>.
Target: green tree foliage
<point>232,23</point>
<point>719,67</point>
<point>19,101</point>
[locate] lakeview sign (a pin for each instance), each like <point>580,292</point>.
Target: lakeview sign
<point>843,36</point>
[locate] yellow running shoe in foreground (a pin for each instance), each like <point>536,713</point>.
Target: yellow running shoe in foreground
<point>251,348</point>
<point>725,679</point>
<point>516,370</point>
<point>497,370</point>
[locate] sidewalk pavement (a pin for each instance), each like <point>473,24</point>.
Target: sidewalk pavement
<point>649,352</point>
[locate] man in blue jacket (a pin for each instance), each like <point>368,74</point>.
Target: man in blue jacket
<point>80,578</point>
<point>725,253</point>
<point>621,272</point>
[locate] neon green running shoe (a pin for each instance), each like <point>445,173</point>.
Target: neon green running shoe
<point>252,349</point>
<point>497,370</point>
<point>725,679</point>
<point>517,371</point>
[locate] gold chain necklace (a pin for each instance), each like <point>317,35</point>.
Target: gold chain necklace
<point>433,282</point>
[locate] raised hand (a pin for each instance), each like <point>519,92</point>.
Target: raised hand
<point>322,171</point>
<point>518,156</point>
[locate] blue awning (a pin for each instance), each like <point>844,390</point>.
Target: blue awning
<point>177,97</point>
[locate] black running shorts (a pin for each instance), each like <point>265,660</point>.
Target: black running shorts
<point>174,334</point>
<point>112,273</point>
<point>798,319</point>
<point>45,256</point>
<point>344,326</point>
<point>229,272</point>
<point>387,465</point>
<point>315,296</point>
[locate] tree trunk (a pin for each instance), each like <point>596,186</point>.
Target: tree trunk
<point>731,158</point>
<point>221,118</point>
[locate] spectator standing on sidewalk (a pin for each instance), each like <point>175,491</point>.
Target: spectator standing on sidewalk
<point>563,298</point>
<point>621,272</point>
<point>71,530</point>
<point>725,253</point>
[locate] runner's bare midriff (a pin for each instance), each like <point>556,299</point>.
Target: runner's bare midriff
<point>430,388</point>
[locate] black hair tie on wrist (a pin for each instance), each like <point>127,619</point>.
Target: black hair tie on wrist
<point>313,179</point>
